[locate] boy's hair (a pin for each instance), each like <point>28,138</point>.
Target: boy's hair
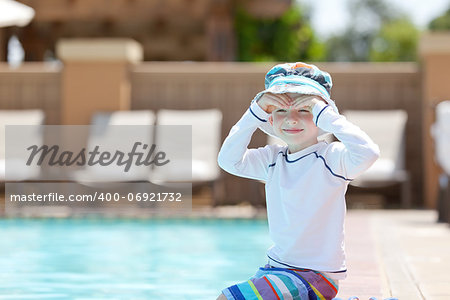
<point>300,78</point>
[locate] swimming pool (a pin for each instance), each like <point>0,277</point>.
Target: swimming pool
<point>127,259</point>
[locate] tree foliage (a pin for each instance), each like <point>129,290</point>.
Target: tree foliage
<point>395,41</point>
<point>287,38</point>
<point>377,32</point>
<point>441,23</point>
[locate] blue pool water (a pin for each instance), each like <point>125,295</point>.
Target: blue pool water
<point>127,259</point>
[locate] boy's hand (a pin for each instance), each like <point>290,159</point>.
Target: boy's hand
<point>306,103</point>
<point>269,102</point>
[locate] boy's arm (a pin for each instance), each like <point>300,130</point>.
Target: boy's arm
<point>359,151</point>
<point>235,158</point>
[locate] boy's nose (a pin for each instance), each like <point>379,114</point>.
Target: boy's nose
<point>292,118</point>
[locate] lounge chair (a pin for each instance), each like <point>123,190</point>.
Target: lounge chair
<point>16,171</point>
<point>206,136</point>
<point>387,129</point>
<point>441,134</point>
<point>111,131</point>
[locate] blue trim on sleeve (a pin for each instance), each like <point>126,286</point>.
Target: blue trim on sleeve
<point>273,164</point>
<point>262,120</point>
<point>329,169</point>
<point>317,156</point>
<point>317,118</point>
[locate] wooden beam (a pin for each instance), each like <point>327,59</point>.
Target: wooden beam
<point>435,52</point>
<point>95,76</point>
<point>2,45</point>
<point>84,10</point>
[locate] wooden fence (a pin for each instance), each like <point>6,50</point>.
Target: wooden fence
<point>32,86</point>
<point>230,87</point>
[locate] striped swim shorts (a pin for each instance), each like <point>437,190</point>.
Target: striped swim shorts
<point>279,283</point>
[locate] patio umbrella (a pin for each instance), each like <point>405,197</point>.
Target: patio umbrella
<point>13,13</point>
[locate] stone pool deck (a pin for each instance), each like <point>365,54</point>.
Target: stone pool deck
<point>398,253</point>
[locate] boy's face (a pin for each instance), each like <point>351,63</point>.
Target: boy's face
<point>294,126</point>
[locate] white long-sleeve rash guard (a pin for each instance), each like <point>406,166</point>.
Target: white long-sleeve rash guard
<point>305,190</point>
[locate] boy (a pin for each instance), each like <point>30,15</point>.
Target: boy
<point>306,182</point>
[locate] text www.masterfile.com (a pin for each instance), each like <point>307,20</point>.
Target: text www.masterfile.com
<point>97,196</point>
